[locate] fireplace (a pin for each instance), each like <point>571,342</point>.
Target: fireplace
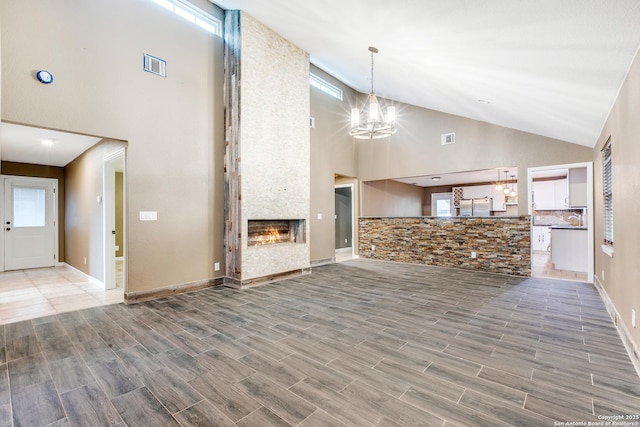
<point>275,231</point>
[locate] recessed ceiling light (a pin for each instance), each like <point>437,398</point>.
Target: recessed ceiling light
<point>47,142</point>
<point>484,101</point>
<point>435,178</point>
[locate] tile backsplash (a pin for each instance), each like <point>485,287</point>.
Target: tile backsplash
<point>559,217</point>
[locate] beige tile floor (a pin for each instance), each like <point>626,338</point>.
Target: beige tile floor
<point>28,294</point>
<point>543,267</point>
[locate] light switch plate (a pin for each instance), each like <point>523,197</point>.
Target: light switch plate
<point>148,215</point>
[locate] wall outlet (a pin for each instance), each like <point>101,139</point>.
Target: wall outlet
<point>85,260</point>
<point>319,216</point>
<point>373,247</point>
<point>603,275</point>
<point>474,254</point>
<point>633,318</point>
<point>216,266</point>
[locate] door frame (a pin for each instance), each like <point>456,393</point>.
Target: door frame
<point>590,213</point>
<point>439,196</point>
<point>55,209</point>
<point>353,218</point>
<point>109,163</point>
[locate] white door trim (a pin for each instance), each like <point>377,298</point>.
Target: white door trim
<point>55,208</point>
<point>109,220</point>
<point>440,196</point>
<point>353,217</point>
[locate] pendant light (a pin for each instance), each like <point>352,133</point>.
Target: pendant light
<point>370,122</point>
<point>506,188</point>
<point>499,186</point>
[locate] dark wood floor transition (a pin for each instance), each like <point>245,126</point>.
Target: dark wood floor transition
<point>359,343</point>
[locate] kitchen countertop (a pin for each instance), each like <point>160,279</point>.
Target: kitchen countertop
<point>567,227</point>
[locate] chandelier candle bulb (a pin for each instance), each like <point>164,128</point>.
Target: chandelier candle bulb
<point>355,117</point>
<point>391,114</point>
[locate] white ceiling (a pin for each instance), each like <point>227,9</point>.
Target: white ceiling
<point>547,67</point>
<point>23,144</point>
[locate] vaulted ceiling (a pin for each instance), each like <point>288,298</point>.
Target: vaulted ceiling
<point>547,67</point>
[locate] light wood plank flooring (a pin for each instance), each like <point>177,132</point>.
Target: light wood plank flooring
<point>360,343</point>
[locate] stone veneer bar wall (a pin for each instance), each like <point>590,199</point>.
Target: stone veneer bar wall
<point>502,244</point>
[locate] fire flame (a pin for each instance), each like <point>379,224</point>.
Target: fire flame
<point>270,236</point>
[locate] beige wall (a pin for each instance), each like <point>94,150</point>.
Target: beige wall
<point>84,219</point>
<point>40,171</point>
<point>173,125</point>
<point>391,198</point>
<point>332,152</point>
<point>620,275</point>
<point>416,150</point>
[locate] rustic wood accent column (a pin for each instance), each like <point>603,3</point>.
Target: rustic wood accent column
<point>232,181</point>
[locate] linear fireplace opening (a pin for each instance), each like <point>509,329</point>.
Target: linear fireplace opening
<point>275,231</point>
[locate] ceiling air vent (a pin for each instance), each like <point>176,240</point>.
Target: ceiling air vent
<point>448,138</point>
<point>155,65</point>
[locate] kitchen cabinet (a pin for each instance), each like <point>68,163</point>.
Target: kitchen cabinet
<point>550,195</point>
<point>544,195</point>
<point>561,195</point>
<point>578,187</point>
<point>498,200</point>
<point>477,191</point>
<point>541,238</point>
<point>482,191</point>
<point>569,249</point>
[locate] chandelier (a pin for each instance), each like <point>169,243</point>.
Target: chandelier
<point>370,122</point>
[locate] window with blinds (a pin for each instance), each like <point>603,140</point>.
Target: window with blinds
<point>607,192</point>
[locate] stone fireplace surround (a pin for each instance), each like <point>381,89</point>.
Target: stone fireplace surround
<point>267,156</point>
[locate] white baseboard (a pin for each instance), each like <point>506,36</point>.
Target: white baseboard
<point>629,344</point>
<point>89,278</point>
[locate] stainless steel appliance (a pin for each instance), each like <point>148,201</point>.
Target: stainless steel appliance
<point>466,207</point>
<point>481,207</point>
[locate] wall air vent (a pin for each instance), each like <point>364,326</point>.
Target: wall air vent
<point>448,138</point>
<point>155,65</point>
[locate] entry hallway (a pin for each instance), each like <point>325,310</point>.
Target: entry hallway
<point>357,343</point>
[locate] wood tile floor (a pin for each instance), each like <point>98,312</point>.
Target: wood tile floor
<point>360,343</point>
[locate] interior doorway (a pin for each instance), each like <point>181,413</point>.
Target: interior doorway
<point>560,202</point>
<point>344,229</point>
<point>114,220</point>
<point>30,226</point>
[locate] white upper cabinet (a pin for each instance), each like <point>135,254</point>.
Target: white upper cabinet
<point>561,194</point>
<point>544,193</point>
<point>499,200</point>
<point>482,191</point>
<point>477,191</point>
<point>550,195</point>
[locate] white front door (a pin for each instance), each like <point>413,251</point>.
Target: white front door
<point>29,222</point>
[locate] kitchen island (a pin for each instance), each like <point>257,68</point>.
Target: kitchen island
<point>569,248</point>
<point>491,244</point>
